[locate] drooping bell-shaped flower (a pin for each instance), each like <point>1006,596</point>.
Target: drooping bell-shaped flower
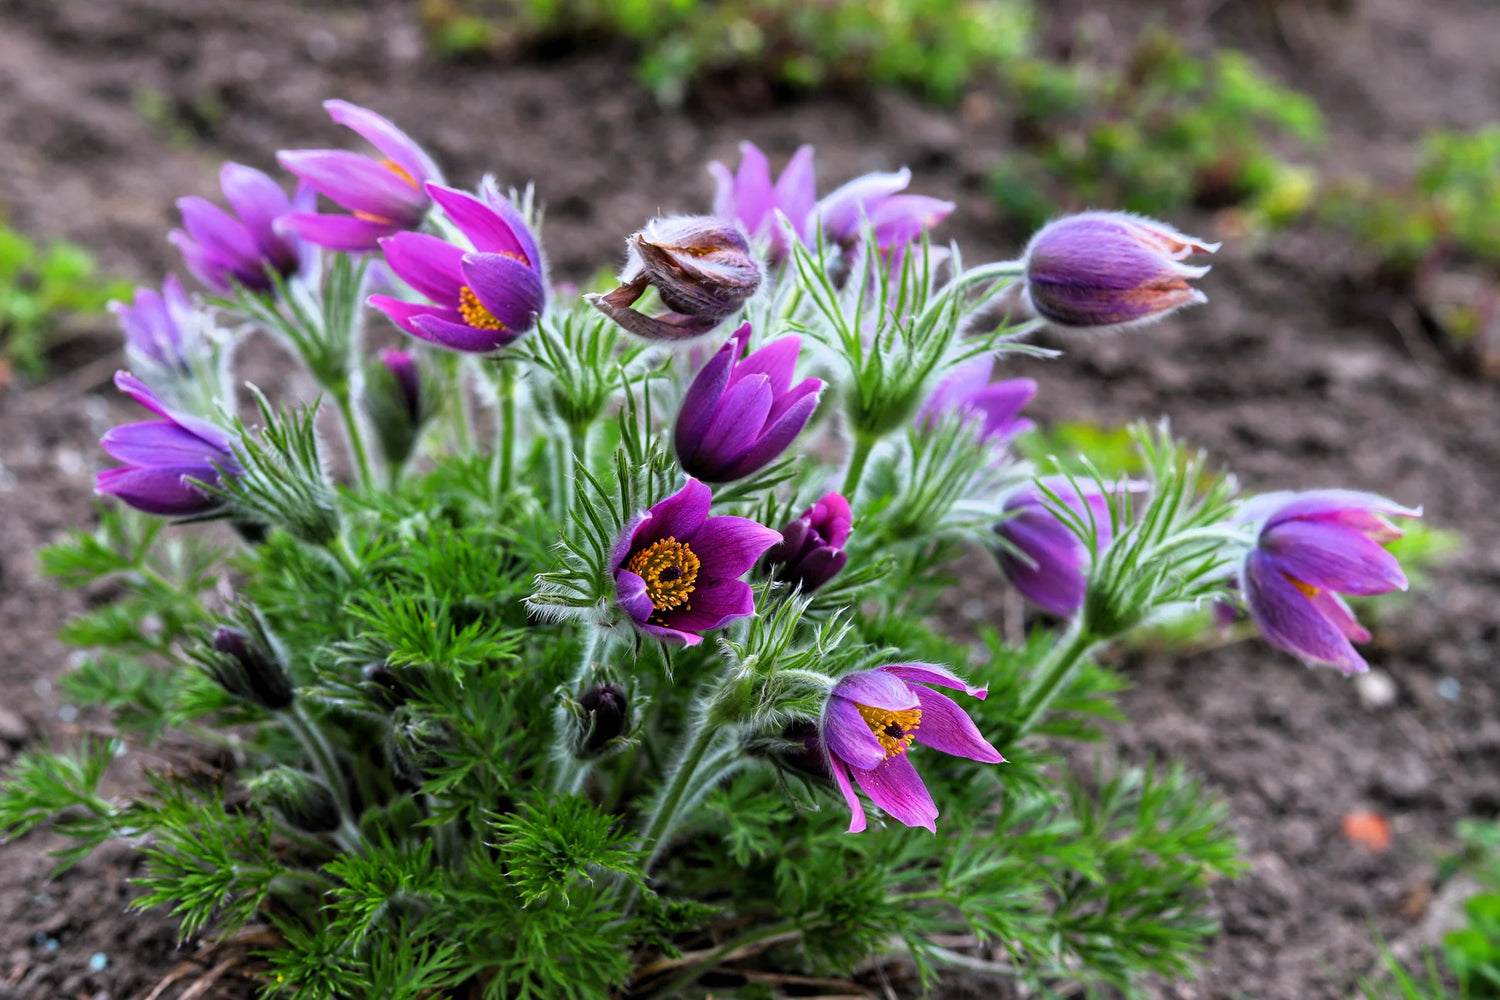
<point>383,196</point>
<point>739,414</point>
<point>1311,548</point>
<point>161,456</point>
<point>871,720</point>
<point>701,267</point>
<point>677,570</point>
<point>161,327</point>
<point>243,248</point>
<point>481,299</point>
<point>1110,270</point>
<point>811,551</point>
<point>993,407</point>
<point>749,197</point>
<point>1042,557</point>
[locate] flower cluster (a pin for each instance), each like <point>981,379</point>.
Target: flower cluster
<point>465,277</point>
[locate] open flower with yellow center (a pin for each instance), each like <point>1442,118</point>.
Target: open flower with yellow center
<point>677,570</point>
<point>1310,548</point>
<point>383,196</point>
<point>480,299</point>
<point>870,722</point>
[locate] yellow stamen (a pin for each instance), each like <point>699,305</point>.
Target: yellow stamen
<point>474,312</point>
<point>894,730</point>
<point>399,171</point>
<point>1308,590</point>
<point>670,570</point>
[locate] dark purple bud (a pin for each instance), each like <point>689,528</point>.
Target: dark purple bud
<point>302,800</point>
<point>1108,270</point>
<point>811,551</point>
<point>700,266</point>
<point>802,751</point>
<point>403,368</point>
<point>393,400</point>
<point>384,686</point>
<point>606,716</point>
<point>249,670</point>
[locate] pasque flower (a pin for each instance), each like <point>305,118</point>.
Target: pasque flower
<point>384,196</point>
<point>677,570</point>
<point>870,721</point>
<point>700,266</point>
<point>749,197</point>
<point>1311,548</point>
<point>243,248</point>
<point>161,326</point>
<point>1042,556</point>
<point>1109,270</point>
<point>994,407</point>
<point>160,457</point>
<point>740,413</point>
<point>811,551</point>
<point>480,299</point>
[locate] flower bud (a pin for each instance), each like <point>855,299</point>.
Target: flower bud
<point>384,686</point>
<point>799,749</point>
<point>1110,270</point>
<point>811,551</point>
<point>700,266</point>
<point>606,715</point>
<point>248,669</point>
<point>302,800</point>
<point>394,401</point>
<point>416,745</point>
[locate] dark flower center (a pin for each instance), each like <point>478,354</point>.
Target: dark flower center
<point>894,730</point>
<point>670,570</point>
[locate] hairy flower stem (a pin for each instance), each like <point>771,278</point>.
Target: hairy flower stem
<point>863,445</point>
<point>316,746</point>
<point>343,397</point>
<point>1054,674</point>
<point>571,772</point>
<point>664,815</point>
<point>502,469</point>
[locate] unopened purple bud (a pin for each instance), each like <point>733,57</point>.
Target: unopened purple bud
<point>700,266</point>
<point>247,670</point>
<point>1109,270</point>
<point>606,716</point>
<point>811,551</point>
<point>803,750</point>
<point>302,800</point>
<point>403,367</point>
<point>393,399</point>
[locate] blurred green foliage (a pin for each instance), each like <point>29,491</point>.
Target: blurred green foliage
<point>1164,130</point>
<point>39,286</point>
<point>1450,205</point>
<point>935,47</point>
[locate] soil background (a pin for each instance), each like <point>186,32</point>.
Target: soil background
<point>1299,373</point>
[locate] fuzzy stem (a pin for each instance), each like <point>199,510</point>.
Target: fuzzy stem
<point>664,816</point>
<point>502,471</point>
<point>863,445</point>
<point>571,771</point>
<point>316,746</point>
<point>1054,674</point>
<point>344,399</point>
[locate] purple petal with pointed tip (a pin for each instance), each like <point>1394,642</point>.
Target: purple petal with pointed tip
<point>679,516</point>
<point>856,808</point>
<point>948,728</point>
<point>931,673</point>
<point>431,266</point>
<point>458,336</point>
<point>1290,621</point>
<point>160,444</point>
<point>1329,556</point>
<point>344,233</point>
<point>395,144</point>
<point>163,492</point>
<point>511,291</point>
<point>714,604</point>
<point>357,183</point>
<point>728,546</point>
<point>896,787</point>
<point>848,736</point>
<point>877,689</point>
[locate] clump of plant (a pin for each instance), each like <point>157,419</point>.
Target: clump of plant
<point>615,665</point>
<point>1166,129</point>
<point>40,288</point>
<point>1438,235</point>
<point>934,47</point>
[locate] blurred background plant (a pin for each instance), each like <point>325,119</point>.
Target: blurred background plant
<point>44,288</point>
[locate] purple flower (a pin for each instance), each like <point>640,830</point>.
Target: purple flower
<point>739,414</point>
<point>243,248</point>
<point>749,197</point>
<point>968,391</point>
<point>870,721</point>
<point>161,327</point>
<point>677,570</point>
<point>811,551</point>
<point>1042,556</point>
<point>897,219</point>
<point>700,266</point>
<point>481,299</point>
<point>160,457</point>
<point>1109,270</point>
<point>1312,547</point>
<point>384,196</point>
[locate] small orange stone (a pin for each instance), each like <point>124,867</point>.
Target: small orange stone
<point>1368,830</point>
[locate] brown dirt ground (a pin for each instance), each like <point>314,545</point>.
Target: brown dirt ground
<point>1295,375</point>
